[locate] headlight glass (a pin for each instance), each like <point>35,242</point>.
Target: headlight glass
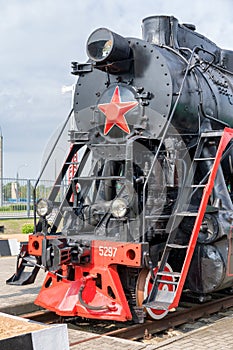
<point>119,208</point>
<point>100,44</point>
<point>104,46</point>
<point>43,207</point>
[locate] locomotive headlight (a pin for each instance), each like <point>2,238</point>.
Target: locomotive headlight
<point>119,208</point>
<point>43,207</point>
<point>104,45</point>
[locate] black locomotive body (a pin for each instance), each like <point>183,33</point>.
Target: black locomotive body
<point>148,211</point>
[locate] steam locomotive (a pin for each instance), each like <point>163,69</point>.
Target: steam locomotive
<point>142,208</point>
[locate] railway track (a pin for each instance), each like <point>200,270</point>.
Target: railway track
<point>187,312</point>
<point>43,316</point>
<point>184,314</point>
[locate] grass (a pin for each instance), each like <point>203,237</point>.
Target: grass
<point>12,226</point>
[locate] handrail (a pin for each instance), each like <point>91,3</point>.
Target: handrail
<point>47,160</point>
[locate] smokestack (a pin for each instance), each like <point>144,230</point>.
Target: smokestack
<point>160,30</point>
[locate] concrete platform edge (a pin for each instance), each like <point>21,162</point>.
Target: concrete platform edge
<point>9,247</point>
<point>51,337</point>
<point>20,309</point>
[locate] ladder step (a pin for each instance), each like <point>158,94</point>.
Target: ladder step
<point>176,246</point>
<point>212,134</point>
<point>198,186</point>
<point>175,283</point>
<point>186,213</point>
<point>157,305</point>
<point>203,159</point>
<point>169,274</point>
<point>151,217</point>
<point>162,300</point>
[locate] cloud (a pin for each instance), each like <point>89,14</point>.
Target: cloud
<point>40,38</point>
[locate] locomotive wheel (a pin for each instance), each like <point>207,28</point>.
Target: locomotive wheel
<point>143,288</point>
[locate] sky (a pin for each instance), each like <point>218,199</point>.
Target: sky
<point>40,38</point>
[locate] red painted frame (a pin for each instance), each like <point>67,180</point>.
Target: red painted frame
<point>103,300</point>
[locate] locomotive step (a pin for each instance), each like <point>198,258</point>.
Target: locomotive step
<point>176,246</point>
<point>186,213</point>
<point>72,163</point>
<point>156,217</point>
<point>158,305</point>
<point>208,158</point>
<point>174,283</point>
<point>172,274</point>
<point>211,134</point>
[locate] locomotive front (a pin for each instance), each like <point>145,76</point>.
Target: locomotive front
<point>110,233</point>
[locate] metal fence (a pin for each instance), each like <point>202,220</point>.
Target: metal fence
<point>16,196</point>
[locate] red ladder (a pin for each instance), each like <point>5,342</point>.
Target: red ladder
<point>165,299</point>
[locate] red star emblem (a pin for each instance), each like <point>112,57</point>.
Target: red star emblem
<point>115,112</point>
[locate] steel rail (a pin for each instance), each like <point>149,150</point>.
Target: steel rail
<point>187,312</point>
<point>173,319</point>
<point>43,316</point>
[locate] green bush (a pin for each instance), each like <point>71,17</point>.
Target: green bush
<point>3,209</point>
<point>27,228</point>
<point>15,207</point>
